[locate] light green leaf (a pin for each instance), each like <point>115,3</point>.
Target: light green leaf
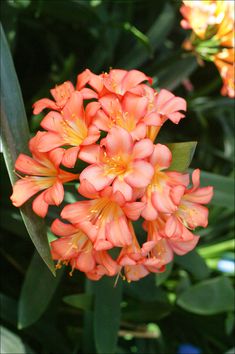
<point>223,188</point>
<point>107,314</point>
<point>194,264</point>
<point>19,3</point>
<point>209,297</point>
<point>37,291</point>
<point>182,154</point>
<point>11,343</point>
<point>80,301</point>
<point>15,136</point>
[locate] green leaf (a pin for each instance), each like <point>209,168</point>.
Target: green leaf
<point>146,311</point>
<point>223,188</point>
<point>37,291</point>
<point>209,297</point>
<point>207,104</point>
<point>229,323</point>
<point>19,3</point>
<point>80,301</point>
<point>156,36</point>
<point>15,136</point>
<point>107,314</point>
<point>194,264</point>
<point>145,290</point>
<point>172,75</point>
<point>11,343</point>
<point>182,154</point>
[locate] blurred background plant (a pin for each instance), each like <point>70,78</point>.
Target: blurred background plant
<point>190,307</point>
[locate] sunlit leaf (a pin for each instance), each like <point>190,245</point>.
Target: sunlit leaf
<point>182,154</point>
<point>37,291</point>
<point>15,136</point>
<point>11,343</point>
<point>107,313</point>
<point>209,297</point>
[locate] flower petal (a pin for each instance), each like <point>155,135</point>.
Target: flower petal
<point>143,149</point>
<point>85,262</point>
<point>88,190</point>
<point>70,156</point>
<point>24,189</point>
<point>59,228</point>
<point>141,175</point>
<point>90,153</point>
<point>55,194</point>
<point>161,156</point>
<point>118,141</point>
<point>133,210</point>
<point>52,122</point>
<point>95,175</point>
<point>39,206</point>
<point>40,105</point>
<point>123,187</point>
<point>118,233</point>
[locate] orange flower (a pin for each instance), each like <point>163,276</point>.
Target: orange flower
<point>212,23</point>
<point>104,218</point>
<point>42,174</point>
<point>75,247</point>
<point>61,94</point>
<point>72,127</point>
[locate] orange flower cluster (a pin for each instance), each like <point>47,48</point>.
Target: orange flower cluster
<point>212,25</point>
<point>110,122</point>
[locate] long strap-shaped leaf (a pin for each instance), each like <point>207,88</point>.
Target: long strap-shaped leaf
<point>15,136</point>
<point>107,313</point>
<point>36,293</point>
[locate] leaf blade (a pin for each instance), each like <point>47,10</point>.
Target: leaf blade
<point>208,297</point>
<point>107,314</point>
<point>15,136</point>
<point>182,154</point>
<point>36,293</point>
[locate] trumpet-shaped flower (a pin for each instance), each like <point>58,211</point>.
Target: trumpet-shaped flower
<point>212,23</point>
<point>60,93</point>
<point>190,211</point>
<point>104,218</point>
<point>160,107</point>
<point>75,247</point>
<point>181,241</point>
<point>128,114</point>
<point>165,189</point>
<point>119,160</point>
<point>140,261</point>
<point>42,174</point>
<point>72,128</point>
<point>117,81</point>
